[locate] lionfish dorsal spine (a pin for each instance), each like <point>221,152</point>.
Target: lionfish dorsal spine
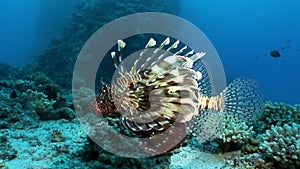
<point>114,58</point>
<point>181,50</point>
<point>145,64</point>
<point>118,61</point>
<point>150,43</point>
<point>189,53</point>
<point>173,46</point>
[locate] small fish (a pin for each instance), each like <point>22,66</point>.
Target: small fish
<point>172,95</point>
<point>275,53</point>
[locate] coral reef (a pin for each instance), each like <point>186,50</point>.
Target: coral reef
<point>252,144</point>
<point>41,79</point>
<point>275,141</point>
<point>235,132</point>
<point>234,135</point>
<point>38,101</point>
<point>282,144</point>
<point>278,114</point>
<point>25,101</point>
<point>62,51</point>
<point>13,110</point>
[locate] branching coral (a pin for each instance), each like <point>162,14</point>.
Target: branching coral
<point>233,133</point>
<point>279,114</point>
<point>283,144</point>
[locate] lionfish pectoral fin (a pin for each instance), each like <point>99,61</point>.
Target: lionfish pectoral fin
<point>206,126</point>
<point>241,100</point>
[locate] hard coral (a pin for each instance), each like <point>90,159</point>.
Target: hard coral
<point>282,144</point>
<point>234,133</point>
<point>38,101</point>
<point>44,84</point>
<point>279,114</point>
<point>41,79</point>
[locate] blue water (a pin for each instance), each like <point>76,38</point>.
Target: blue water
<point>243,32</point>
<point>26,27</point>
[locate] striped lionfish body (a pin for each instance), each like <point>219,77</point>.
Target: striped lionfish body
<point>166,89</point>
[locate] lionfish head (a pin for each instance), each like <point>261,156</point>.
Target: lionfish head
<point>104,104</point>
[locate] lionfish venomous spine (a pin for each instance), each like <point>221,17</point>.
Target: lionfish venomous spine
<point>164,88</point>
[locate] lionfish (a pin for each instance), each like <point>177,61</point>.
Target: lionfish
<point>166,90</point>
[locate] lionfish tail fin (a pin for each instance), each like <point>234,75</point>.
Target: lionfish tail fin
<point>206,126</point>
<point>242,101</point>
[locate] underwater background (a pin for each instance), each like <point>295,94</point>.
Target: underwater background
<point>243,32</point>
<point>39,43</point>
